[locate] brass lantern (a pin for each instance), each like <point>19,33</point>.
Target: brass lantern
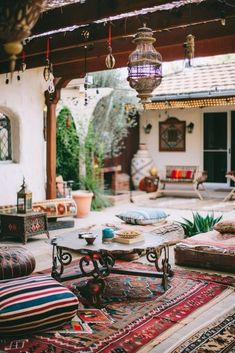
<point>16,20</point>
<point>24,199</point>
<point>144,65</point>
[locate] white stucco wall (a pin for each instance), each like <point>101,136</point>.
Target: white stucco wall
<point>23,102</point>
<point>193,154</point>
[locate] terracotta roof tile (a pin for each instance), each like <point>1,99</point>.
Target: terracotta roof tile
<point>208,78</point>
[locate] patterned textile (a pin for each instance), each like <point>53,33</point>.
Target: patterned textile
<point>143,216</point>
<point>217,337</point>
<point>34,303</point>
<point>140,311</point>
<point>61,207</point>
<point>15,261</point>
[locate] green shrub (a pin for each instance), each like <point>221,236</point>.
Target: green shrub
<point>199,224</point>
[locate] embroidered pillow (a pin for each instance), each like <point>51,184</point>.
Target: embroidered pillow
<point>34,303</point>
<point>143,216</point>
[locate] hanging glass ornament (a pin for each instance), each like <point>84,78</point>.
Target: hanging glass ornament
<point>46,71</point>
<point>23,65</point>
<point>47,68</point>
<point>110,60</point>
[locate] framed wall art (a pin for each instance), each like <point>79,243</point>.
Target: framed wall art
<point>172,135</point>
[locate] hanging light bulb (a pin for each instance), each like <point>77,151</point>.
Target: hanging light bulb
<point>144,65</point>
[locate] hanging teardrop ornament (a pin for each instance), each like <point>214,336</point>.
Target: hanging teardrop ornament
<point>46,71</point>
<point>23,65</point>
<point>110,60</point>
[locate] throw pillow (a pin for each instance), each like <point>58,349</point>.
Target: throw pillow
<point>225,227</point>
<point>173,174</point>
<point>188,174</point>
<point>143,216</point>
<point>33,304</point>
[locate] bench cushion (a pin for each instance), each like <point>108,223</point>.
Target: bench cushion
<point>180,172</point>
<point>34,303</point>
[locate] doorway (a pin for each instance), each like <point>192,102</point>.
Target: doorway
<point>217,145</point>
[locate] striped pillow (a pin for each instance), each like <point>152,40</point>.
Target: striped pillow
<point>34,303</point>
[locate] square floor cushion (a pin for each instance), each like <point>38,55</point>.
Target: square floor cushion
<point>34,303</point>
<point>143,216</point>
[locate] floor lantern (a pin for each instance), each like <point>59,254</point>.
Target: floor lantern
<point>24,199</point>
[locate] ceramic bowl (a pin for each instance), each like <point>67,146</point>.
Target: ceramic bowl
<point>89,239</point>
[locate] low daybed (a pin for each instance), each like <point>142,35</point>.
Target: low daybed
<point>181,179</point>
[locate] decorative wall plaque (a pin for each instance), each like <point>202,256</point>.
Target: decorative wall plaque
<point>172,135</point>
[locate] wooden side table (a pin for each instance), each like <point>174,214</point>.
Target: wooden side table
<point>17,225</point>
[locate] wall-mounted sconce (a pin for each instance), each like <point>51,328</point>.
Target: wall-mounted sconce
<point>190,127</point>
<point>147,128</point>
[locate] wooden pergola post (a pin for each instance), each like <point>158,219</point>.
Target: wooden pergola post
<point>51,103</point>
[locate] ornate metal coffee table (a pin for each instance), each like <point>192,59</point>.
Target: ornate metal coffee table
<point>98,261</point>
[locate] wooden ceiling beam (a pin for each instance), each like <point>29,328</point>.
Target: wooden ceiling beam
<point>122,29</point>
<point>170,27</point>
<point>75,68</point>
<point>75,51</point>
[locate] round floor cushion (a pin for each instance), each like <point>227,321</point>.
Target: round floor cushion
<point>15,261</point>
<point>34,303</point>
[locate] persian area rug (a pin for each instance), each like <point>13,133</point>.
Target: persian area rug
<point>217,337</point>
<point>137,314</point>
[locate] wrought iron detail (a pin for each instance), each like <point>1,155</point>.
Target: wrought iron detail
<point>59,256</point>
<point>154,255</point>
<point>5,138</point>
<point>97,264</point>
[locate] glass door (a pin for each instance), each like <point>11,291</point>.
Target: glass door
<point>216,146</point>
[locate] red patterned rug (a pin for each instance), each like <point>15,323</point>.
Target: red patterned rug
<point>138,312</point>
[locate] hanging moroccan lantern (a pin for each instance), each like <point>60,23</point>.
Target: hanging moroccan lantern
<point>16,20</point>
<point>144,65</point>
<point>189,46</point>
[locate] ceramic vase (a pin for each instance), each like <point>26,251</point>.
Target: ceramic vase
<point>141,164</point>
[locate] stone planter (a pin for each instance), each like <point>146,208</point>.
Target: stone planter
<point>83,200</point>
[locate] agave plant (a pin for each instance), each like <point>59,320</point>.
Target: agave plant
<point>199,224</point>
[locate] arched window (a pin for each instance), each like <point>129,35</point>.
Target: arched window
<point>5,138</point>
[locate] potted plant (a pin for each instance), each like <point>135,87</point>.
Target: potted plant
<point>199,224</point>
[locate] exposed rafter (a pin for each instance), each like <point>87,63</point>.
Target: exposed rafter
<point>170,23</point>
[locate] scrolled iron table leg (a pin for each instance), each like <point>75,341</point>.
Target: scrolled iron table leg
<point>154,255</point>
<point>98,265</point>
<point>60,258</point>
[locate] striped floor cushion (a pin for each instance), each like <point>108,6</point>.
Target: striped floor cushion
<point>34,303</point>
